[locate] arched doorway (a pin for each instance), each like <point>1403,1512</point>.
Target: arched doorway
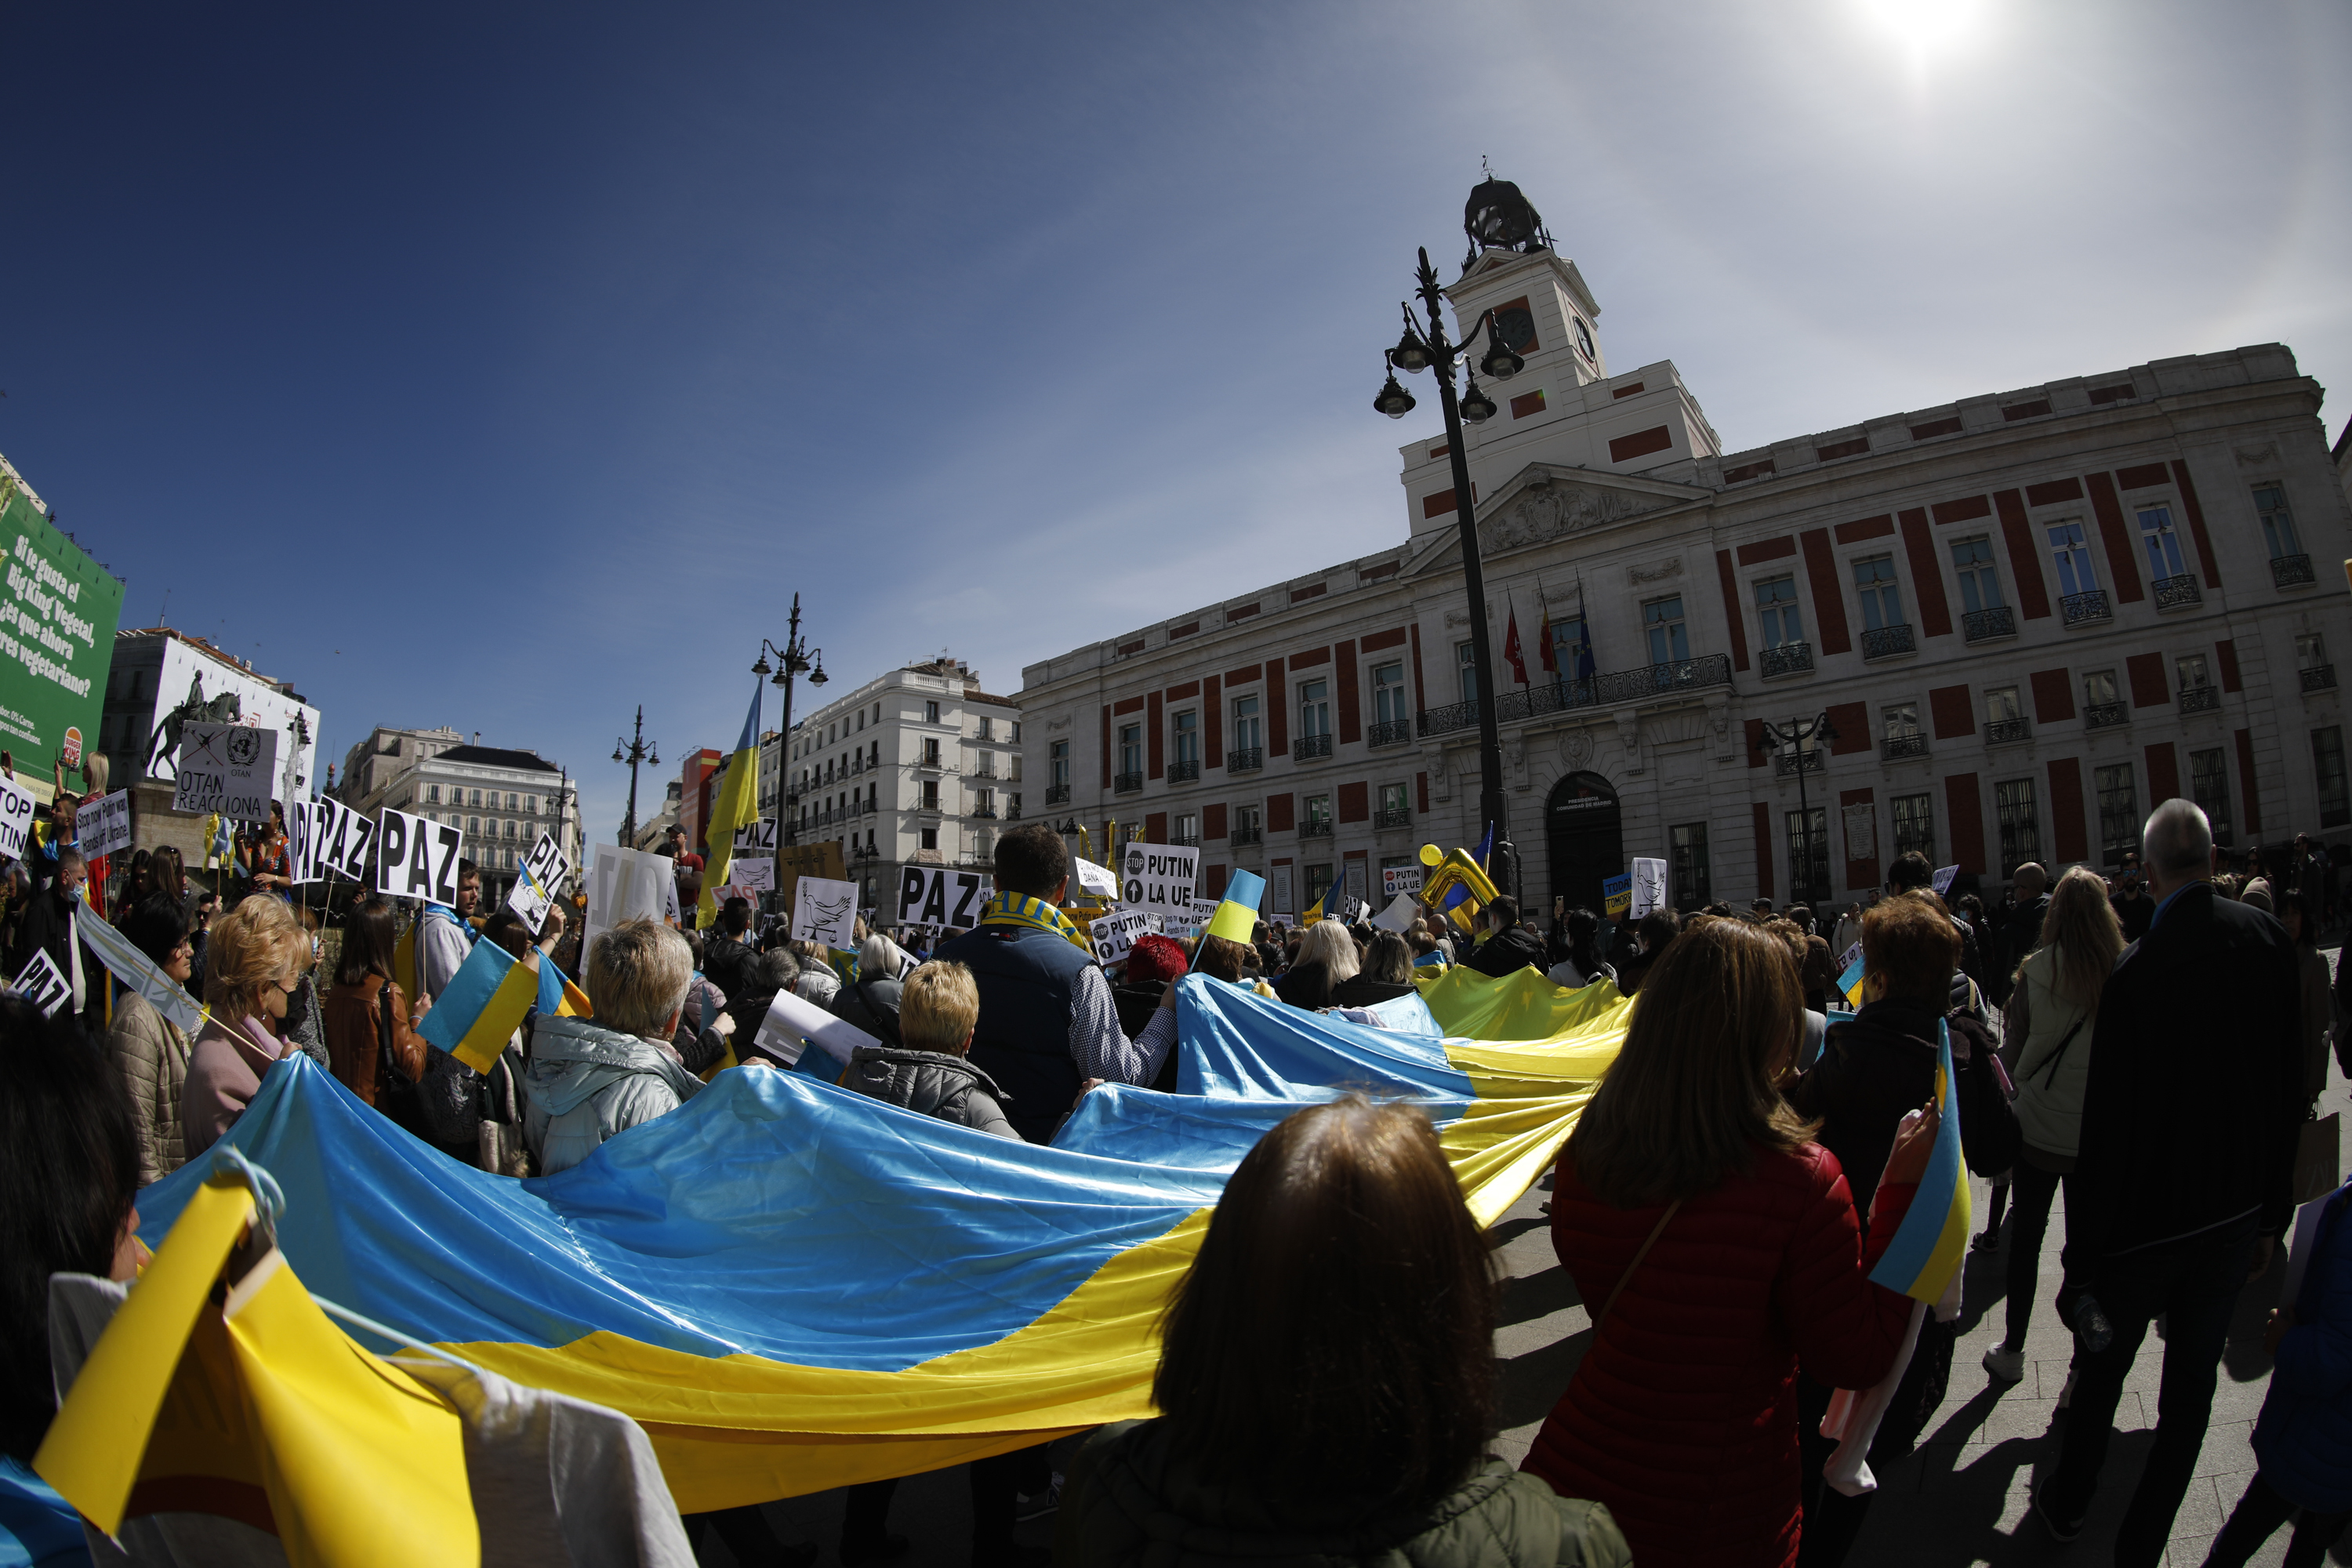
<point>1580,828</point>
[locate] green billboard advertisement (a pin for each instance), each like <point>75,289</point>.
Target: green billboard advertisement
<point>58,614</point>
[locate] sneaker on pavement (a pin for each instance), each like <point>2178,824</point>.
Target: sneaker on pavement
<point>2004,1363</point>
<point>1037,1505</point>
<point>2064,1529</point>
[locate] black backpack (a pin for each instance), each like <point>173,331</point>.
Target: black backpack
<point>1992,1137</point>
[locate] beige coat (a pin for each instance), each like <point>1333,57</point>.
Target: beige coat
<point>2049,1086</point>
<point>151,1054</point>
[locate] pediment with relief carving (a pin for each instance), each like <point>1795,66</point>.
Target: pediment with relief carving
<point>1544,503</point>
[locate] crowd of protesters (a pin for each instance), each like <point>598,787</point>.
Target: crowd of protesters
<point>1326,1381</point>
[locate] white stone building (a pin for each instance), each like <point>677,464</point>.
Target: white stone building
<point>503,798</point>
<point>2028,615</point>
<point>156,670</point>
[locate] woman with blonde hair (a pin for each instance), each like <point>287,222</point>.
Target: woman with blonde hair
<point>2052,1007</point>
<point>1327,959</point>
<point>253,964</point>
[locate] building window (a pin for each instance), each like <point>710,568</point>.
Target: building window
<point>2098,688</point>
<point>2209,786</point>
<point>1249,732</point>
<point>1017,731</point>
<point>1690,864</point>
<point>1661,619</point>
<point>1319,811</point>
<point>987,728</point>
<point>1130,750</point>
<point>1319,883</point>
<point>2119,813</point>
<point>1013,813</point>
<point>1914,826</point>
<point>2020,825</point>
<point>2310,650</point>
<point>530,806</point>
<point>1901,719</point>
<point>477,800</point>
<point>1058,768</point>
<point>2191,670</point>
<point>931,839</point>
<point>1314,708</point>
<point>511,829</point>
<point>984,802</point>
<point>1972,563</point>
<point>1775,606</point>
<point>930,713</point>
<point>1388,695</point>
<point>1392,798</point>
<point>1465,657</point>
<point>474,825</point>
<point>2163,545</point>
<point>1248,824</point>
<point>1809,853</point>
<point>1187,828</point>
<point>931,795</point>
<point>2278,526</point>
<point>1188,742</point>
<point>433,793</point>
<point>2328,761</point>
<point>1882,601</point>
<point>2071,554</point>
<point>2001,706</point>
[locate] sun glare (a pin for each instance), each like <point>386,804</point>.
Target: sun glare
<point>1927,29</point>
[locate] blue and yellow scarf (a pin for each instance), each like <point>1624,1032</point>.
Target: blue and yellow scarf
<point>1012,908</point>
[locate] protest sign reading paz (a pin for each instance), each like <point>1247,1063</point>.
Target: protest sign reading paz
<point>757,837</point>
<point>417,859</point>
<point>827,912</point>
<point>538,881</point>
<point>935,896</point>
<point>40,984</point>
<point>103,825</point>
<point>228,768</point>
<point>16,809</point>
<point>1158,879</point>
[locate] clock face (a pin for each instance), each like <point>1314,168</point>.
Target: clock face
<point>1583,338</point>
<point>1517,326</point>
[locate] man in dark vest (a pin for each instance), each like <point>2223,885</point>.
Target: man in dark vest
<point>1047,1020</point>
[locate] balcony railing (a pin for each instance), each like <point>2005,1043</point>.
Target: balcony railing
<point>1885,642</point>
<point>1308,746</point>
<point>1785,764</point>
<point>2201,699</point>
<point>1057,795</point>
<point>2081,609</point>
<point>1397,817</point>
<point>1315,827</point>
<point>1389,732</point>
<point>1248,834</point>
<point>1192,837</point>
<point>1896,747</point>
<point>2104,715</point>
<point>1248,760</point>
<point>2175,593</point>
<point>1638,685</point>
<point>986,811</point>
<point>1983,625</point>
<point>1788,659</point>
<point>2290,570</point>
<point>1185,773</point>
<point>2007,731</point>
<point>1125,784</point>
<point>2319,677</point>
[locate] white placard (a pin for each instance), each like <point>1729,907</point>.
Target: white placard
<point>826,913</point>
<point>417,857</point>
<point>937,896</point>
<point>40,984</point>
<point>1115,933</point>
<point>301,826</point>
<point>103,825</point>
<point>1861,832</point>
<point>347,844</point>
<point>1159,878</point>
<point>1093,878</point>
<point>626,885</point>
<point>16,812</point>
<point>792,1019</point>
<point>1848,958</point>
<point>228,768</point>
<point>1400,913</point>
<point>1278,882</point>
<point>752,874</point>
<point>757,837</point>
<point>538,881</point>
<point>1943,882</point>
<point>1396,879</point>
<point>1649,887</point>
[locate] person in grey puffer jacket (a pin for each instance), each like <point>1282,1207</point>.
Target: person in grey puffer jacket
<point>938,1005</point>
<point>590,1079</point>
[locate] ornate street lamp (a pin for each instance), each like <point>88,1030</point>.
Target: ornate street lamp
<point>635,750</point>
<point>1794,734</point>
<point>791,658</point>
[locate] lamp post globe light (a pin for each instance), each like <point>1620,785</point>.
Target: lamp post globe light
<point>1497,216</point>
<point>1794,734</point>
<point>636,750</point>
<point>793,657</point>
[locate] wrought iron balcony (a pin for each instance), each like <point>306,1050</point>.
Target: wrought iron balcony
<point>1125,784</point>
<point>2007,731</point>
<point>1894,747</point>
<point>1308,746</point>
<point>1315,827</point>
<point>1389,732</point>
<point>989,812</point>
<point>2319,677</point>
<point>2290,570</point>
<point>2104,715</point>
<point>2176,593</point>
<point>2201,699</point>
<point>1248,760</point>
<point>1057,795</point>
<point>1885,642</point>
<point>1185,772</point>
<point>1645,683</point>
<point>1397,816</point>
<point>2081,609</point>
<point>1785,764</point>
<point>1788,659</point>
<point>1193,837</point>
<point>1248,834</point>
<point>1983,625</point>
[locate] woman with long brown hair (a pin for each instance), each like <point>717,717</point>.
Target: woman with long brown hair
<point>361,1049</point>
<point>1717,1246</point>
<point>1326,1376</point>
<point>2052,1006</point>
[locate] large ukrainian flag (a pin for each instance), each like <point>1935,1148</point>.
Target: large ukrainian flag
<point>793,1286</point>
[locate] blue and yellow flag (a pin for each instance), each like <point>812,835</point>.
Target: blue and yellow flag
<point>1933,1240</point>
<point>1236,916</point>
<point>737,802</point>
<point>486,1000</point>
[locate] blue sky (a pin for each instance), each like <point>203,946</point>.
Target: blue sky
<point>1001,329</point>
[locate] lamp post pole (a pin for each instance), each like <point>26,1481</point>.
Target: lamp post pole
<point>790,659</point>
<point>1794,734</point>
<point>635,750</point>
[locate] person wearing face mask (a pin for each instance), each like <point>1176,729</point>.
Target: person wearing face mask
<point>149,1051</point>
<point>49,927</point>
<point>257,950</point>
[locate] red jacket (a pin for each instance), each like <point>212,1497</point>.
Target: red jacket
<point>1683,1416</point>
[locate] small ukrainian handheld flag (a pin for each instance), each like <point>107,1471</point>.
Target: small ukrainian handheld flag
<point>486,1000</point>
<point>1933,1240</point>
<point>1236,917</point>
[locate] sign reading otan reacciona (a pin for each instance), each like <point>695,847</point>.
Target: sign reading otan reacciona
<point>57,613</point>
